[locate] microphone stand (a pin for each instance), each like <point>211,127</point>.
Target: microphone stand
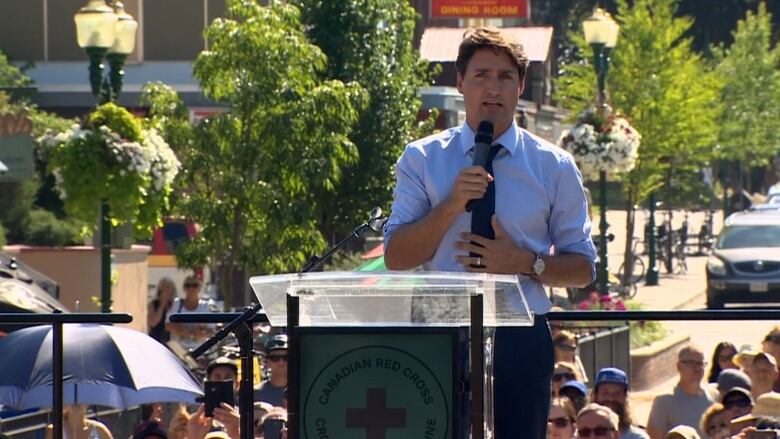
<point>241,327</point>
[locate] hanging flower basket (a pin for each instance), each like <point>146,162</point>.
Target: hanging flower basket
<point>600,143</point>
<point>112,157</point>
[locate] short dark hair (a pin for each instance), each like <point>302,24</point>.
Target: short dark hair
<point>490,38</point>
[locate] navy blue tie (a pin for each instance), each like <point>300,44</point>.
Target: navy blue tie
<point>484,208</point>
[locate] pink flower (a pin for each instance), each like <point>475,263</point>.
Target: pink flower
<point>620,306</point>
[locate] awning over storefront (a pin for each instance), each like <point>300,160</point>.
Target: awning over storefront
<point>440,44</point>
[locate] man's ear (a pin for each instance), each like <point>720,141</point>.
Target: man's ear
<point>459,83</point>
<point>522,85</point>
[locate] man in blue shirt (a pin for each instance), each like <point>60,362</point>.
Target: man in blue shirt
<point>536,193</point>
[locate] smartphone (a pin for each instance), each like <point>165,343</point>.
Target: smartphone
<point>272,428</point>
<point>762,434</point>
<point>215,393</point>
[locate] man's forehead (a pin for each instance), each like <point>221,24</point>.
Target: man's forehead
<point>611,387</point>
<point>692,355</point>
<point>489,59</point>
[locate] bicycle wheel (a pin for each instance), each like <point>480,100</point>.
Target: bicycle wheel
<point>639,269</point>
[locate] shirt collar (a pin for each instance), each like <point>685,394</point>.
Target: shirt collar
<point>511,139</point>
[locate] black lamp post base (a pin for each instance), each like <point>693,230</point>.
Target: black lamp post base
<point>651,278</point>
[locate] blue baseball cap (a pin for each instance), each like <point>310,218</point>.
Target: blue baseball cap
<point>575,385</point>
<point>611,375</point>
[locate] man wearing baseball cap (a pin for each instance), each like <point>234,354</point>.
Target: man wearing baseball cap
<point>767,406</point>
<point>611,390</point>
<point>223,369</point>
<point>272,389</point>
<point>737,402</point>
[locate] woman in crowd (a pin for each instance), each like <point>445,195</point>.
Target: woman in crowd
<point>722,358</point>
<point>158,308</point>
<point>563,373</point>
<point>565,344</point>
<point>561,423</point>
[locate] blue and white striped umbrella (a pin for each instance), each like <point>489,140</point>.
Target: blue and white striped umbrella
<point>103,365</point>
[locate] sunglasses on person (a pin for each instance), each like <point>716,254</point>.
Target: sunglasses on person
<point>694,363</point>
<point>559,422</point>
<point>191,285</point>
<point>559,376</point>
<point>596,432</point>
<point>740,402</point>
<point>276,358</point>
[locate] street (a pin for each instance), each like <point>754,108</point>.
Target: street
<point>681,291</point>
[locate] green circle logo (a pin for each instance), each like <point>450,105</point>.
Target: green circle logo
<point>375,392</point>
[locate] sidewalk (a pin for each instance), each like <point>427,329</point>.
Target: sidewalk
<point>675,291</point>
<point>672,292</point>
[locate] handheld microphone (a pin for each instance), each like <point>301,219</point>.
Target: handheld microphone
<point>482,141</point>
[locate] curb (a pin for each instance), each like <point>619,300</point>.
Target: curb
<point>690,300</point>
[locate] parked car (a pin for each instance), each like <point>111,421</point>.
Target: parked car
<point>745,264</point>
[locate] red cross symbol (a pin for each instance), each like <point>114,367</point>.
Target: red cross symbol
<point>376,418</point>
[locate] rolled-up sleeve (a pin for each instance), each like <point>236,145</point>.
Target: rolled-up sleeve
<point>570,226</point>
<point>410,200</point>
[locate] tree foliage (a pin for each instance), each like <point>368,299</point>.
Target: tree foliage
<point>10,75</point>
<point>32,211</point>
<point>369,42</point>
<point>750,125</point>
<point>662,86</point>
<point>716,20</point>
<point>665,89</point>
<point>254,172</point>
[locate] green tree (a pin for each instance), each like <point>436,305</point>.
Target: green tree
<point>252,175</point>
<point>370,42</point>
<point>750,125</point>
<point>10,75</point>
<point>35,213</point>
<point>665,89</point>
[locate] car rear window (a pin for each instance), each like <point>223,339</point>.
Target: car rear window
<point>749,236</point>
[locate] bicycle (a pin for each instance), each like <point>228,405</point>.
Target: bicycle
<point>628,286</point>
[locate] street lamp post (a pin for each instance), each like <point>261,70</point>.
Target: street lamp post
<point>105,31</point>
<point>651,278</point>
<point>601,33</point>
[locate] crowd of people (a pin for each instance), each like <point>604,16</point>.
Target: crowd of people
<point>179,421</point>
<point>740,396</point>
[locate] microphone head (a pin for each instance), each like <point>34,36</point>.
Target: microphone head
<point>376,212</point>
<point>377,224</point>
<point>484,132</point>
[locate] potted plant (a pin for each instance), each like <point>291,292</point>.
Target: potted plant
<point>602,143</point>
<point>113,157</point>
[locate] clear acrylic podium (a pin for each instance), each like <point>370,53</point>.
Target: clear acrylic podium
<point>380,354</point>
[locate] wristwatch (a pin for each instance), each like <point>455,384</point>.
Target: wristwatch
<point>538,265</point>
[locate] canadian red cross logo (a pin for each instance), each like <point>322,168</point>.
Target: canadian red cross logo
<point>376,418</point>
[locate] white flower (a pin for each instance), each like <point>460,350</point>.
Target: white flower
<point>614,151</point>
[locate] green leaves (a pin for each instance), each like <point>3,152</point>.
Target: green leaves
<point>256,174</point>
<point>750,123</point>
<point>662,87</point>
<point>369,42</point>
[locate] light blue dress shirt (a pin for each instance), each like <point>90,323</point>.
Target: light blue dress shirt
<point>540,200</point>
